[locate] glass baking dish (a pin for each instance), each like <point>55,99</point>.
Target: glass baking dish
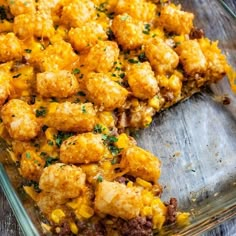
<point>195,141</point>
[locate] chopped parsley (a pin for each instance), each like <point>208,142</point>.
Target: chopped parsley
<point>42,111</point>
<point>61,136</point>
<point>28,156</point>
<point>84,109</point>
<point>142,57</point>
<point>16,76</point>
<point>102,7</point>
<point>133,61</point>
<point>50,160</point>
<point>27,50</point>
<point>114,150</point>
<point>99,178</point>
<point>98,129</point>
<point>147,28</point>
<point>76,71</point>
<point>122,75</point>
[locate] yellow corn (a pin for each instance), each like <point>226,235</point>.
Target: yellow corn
<point>73,227</point>
<point>179,39</point>
<point>86,211</point>
<point>75,204</point>
<point>182,218</point>
<point>30,191</point>
<point>50,133</point>
<point>143,183</point>
<point>107,119</point>
<point>57,215</point>
<point>175,83</point>
<point>147,120</point>
<point>147,197</point>
<point>146,211</point>
<point>135,102</point>
<point>158,206</point>
<point>158,220</point>
<point>123,141</point>
<point>52,107</point>
<point>154,102</point>
<point>130,184</point>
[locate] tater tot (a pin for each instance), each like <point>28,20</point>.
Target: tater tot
<point>102,56</point>
<point>56,57</point>
<point>18,7</point>
<point>216,61</point>
<point>138,9</point>
<point>31,165</point>
<point>83,148</point>
<point>86,36</point>
<point>192,57</point>
<point>65,180</point>
<point>175,20</point>
<point>5,86</point>
<point>43,25</point>
<point>59,84</point>
<point>23,26</point>
<point>162,57</point>
<point>11,47</point>
<point>20,120</point>
<point>128,32</point>
<point>118,200</point>
<point>142,80</point>
<point>71,117</point>
<point>77,13</point>
<point>141,163</point>
<point>104,92</point>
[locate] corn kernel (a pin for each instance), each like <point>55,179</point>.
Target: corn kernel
<point>86,211</point>
<point>147,197</point>
<point>146,211</point>
<point>179,39</point>
<point>130,184</point>
<point>50,133</point>
<point>147,120</point>
<point>143,183</point>
<point>158,206</point>
<point>158,221</point>
<point>175,83</point>
<point>73,227</point>
<point>75,204</point>
<point>57,215</point>
<point>135,102</point>
<point>154,103</point>
<point>30,191</point>
<point>52,107</point>
<point>182,218</point>
<point>123,141</point>
<point>107,119</point>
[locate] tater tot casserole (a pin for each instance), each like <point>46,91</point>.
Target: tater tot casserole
<point>75,77</point>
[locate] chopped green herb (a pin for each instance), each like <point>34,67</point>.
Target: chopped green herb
<point>16,76</point>
<point>114,161</point>
<point>99,178</point>
<point>81,93</point>
<point>28,156</point>
<point>142,57</point>
<point>114,150</point>
<point>28,50</point>
<point>147,28</point>
<point>84,109</point>
<point>61,136</point>
<point>154,35</point>
<point>102,7</point>
<point>76,71</point>
<point>133,61</point>
<point>50,160</point>
<point>98,129</point>
<point>109,138</point>
<point>35,186</point>
<point>122,75</point>
<point>50,143</point>
<point>117,68</point>
<point>41,112</point>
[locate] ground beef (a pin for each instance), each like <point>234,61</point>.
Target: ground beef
<point>140,226</point>
<point>62,230</point>
<point>88,229</point>
<point>171,211</point>
<point>196,33</point>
